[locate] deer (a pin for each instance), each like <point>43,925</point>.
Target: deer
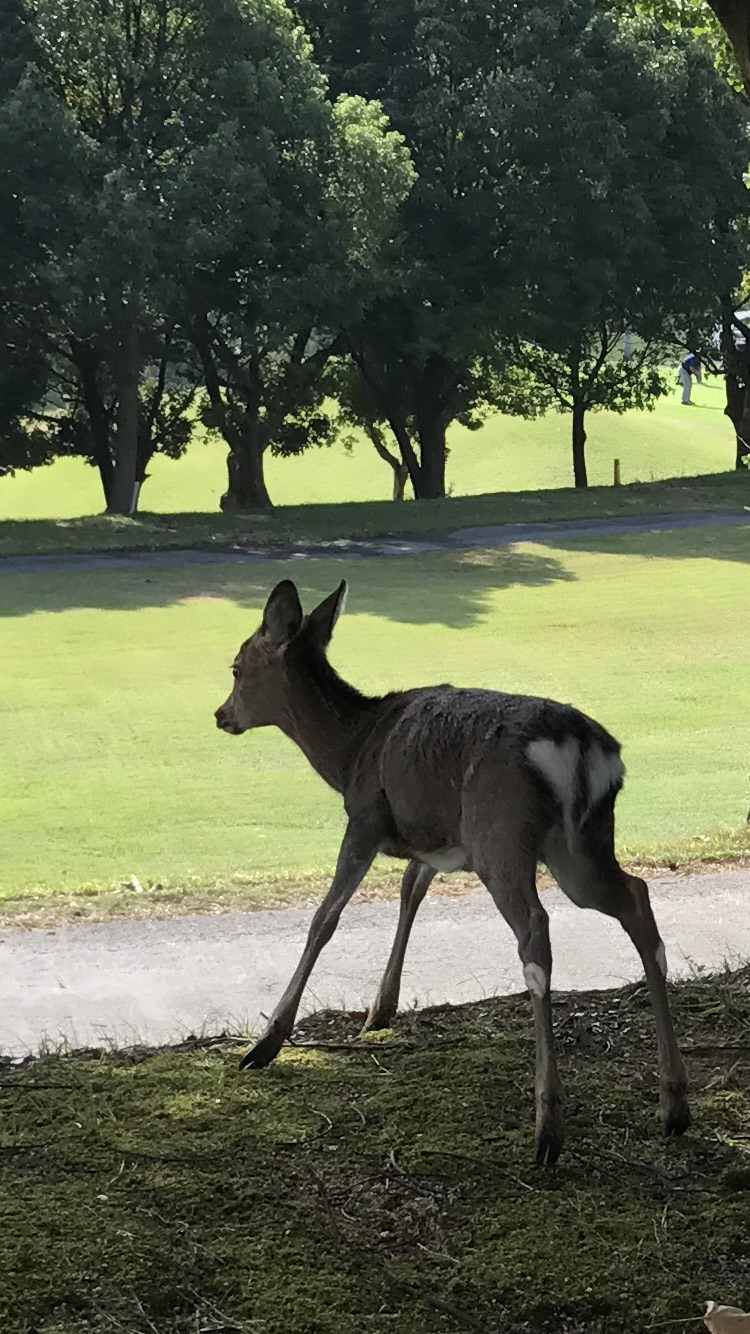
<point>453,779</point>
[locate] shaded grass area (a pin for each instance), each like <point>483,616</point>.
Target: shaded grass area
<point>113,767</point>
<point>376,518</point>
<point>365,1186</point>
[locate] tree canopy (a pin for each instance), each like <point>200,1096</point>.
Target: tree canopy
<point>223,209</point>
<point>560,188</point>
<point>189,236</point>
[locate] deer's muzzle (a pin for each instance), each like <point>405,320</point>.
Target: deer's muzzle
<point>226,721</point>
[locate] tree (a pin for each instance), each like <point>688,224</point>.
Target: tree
<point>283,257</point>
<point>358,410</point>
<point>22,366</point>
<point>591,375</point>
<point>529,210</point>
<point>420,349</point>
<point>723,28</point>
<point>86,298</point>
<point>702,20</point>
<point>156,107</point>
<point>653,264</point>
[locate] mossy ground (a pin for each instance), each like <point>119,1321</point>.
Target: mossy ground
<point>358,1187</point>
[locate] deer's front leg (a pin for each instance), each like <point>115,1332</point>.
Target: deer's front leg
<point>416,881</point>
<point>361,842</point>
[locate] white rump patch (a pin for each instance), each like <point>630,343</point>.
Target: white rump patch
<point>536,979</point>
<point>604,772</point>
<point>444,859</point>
<point>557,762</point>
<point>661,958</point>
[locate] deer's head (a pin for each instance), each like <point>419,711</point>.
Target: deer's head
<point>260,694</point>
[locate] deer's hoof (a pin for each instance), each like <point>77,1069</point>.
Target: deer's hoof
<point>675,1116</point>
<point>549,1144</point>
<point>263,1053</point>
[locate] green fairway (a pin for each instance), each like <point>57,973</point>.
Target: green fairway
<point>507,454</point>
<point>113,767</point>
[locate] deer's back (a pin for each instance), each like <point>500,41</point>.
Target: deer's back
<point>435,750</point>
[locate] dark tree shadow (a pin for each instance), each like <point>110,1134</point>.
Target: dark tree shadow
<point>450,589</point>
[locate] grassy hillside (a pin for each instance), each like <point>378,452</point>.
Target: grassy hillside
<point>505,455</point>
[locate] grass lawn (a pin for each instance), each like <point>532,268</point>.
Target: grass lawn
<point>508,471</point>
<point>364,1187</point>
<point>112,766</point>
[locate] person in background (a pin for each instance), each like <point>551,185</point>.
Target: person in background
<point>690,367</point>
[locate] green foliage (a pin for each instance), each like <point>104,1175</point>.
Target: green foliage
<point>289,258</point>
<point>618,384</point>
<point>35,186</point>
<point>185,235</point>
<point>672,159</point>
<point>184,187</point>
<point>575,171</point>
<point>695,17</point>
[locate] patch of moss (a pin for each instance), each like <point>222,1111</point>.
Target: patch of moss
<point>362,1187</point>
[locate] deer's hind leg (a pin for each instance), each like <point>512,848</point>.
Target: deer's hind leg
<point>414,885</point>
<point>512,883</point>
<point>592,877</point>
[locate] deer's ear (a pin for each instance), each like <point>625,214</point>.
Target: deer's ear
<point>323,620</point>
<point>282,616</point>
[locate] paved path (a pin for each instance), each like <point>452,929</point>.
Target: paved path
<point>155,981</point>
<point>462,539</point>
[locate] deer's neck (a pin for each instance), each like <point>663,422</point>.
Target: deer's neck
<point>323,715</point>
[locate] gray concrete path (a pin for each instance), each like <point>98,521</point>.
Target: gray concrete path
<point>154,981</point>
<point>462,539</point>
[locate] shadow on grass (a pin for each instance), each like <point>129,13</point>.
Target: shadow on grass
<point>448,589</point>
<point>381,1185</point>
<point>358,519</point>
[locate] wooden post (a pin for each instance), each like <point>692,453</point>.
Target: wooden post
<point>617,472</point>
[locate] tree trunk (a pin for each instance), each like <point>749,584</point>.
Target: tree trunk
<point>399,467</point>
<point>127,374</point>
<point>579,445</point>
<point>432,454</point>
<point>735,411</point>
<point>743,441</point>
<point>87,361</point>
<point>736,378</point>
<point>246,485</point>
<point>247,439</point>
<point>400,478</point>
<point>403,440</point>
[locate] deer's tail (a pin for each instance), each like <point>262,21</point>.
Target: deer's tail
<point>585,774</point>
